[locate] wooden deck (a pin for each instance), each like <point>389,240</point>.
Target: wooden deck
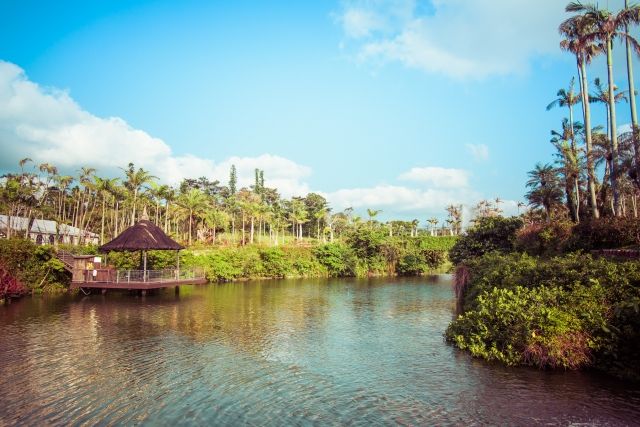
<point>137,279</point>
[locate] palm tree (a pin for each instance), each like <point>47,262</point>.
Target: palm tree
<point>135,180</point>
<point>372,214</point>
<point>104,187</point>
<point>567,98</point>
<point>574,30</point>
<point>632,98</point>
<point>601,96</point>
<point>194,201</point>
<point>545,189</point>
<point>568,157</point>
<point>606,28</point>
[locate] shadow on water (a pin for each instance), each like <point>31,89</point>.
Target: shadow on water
<point>276,352</point>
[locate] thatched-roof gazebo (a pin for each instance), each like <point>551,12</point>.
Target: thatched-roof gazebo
<point>143,236</point>
<point>87,271</point>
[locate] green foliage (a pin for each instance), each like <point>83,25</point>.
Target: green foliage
<point>543,327</point>
<point>488,234</point>
<point>605,233</point>
<point>544,238</point>
<point>437,243</point>
<point>338,258</point>
<point>35,266</point>
<point>569,311</point>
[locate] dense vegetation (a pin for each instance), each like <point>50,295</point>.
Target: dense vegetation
<point>571,311</point>
<point>198,211</point>
<point>571,188</point>
<point>529,290</point>
<point>365,252</point>
<point>532,296</point>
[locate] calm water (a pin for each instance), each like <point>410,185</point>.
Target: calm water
<point>307,352</point>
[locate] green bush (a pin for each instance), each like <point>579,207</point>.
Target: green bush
<point>274,263</point>
<point>487,235</point>
<point>338,258</point>
<point>35,266</point>
<point>544,238</point>
<point>605,233</point>
<point>568,311</point>
<point>543,327</point>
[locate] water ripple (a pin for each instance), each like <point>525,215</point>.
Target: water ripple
<point>275,353</point>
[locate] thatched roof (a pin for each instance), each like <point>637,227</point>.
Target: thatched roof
<point>144,235</point>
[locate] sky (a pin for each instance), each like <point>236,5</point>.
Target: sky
<point>402,106</point>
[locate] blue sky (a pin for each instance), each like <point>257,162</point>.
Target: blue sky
<point>404,106</point>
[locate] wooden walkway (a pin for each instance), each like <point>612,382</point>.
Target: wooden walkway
<point>138,279</point>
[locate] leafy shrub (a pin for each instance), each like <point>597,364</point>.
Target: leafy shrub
<point>567,311</point>
<point>487,235</point>
<point>543,327</point>
<point>338,258</point>
<point>274,262</point>
<point>418,262</point>
<point>605,233</point>
<point>544,238</point>
<point>35,266</point>
<point>437,243</point>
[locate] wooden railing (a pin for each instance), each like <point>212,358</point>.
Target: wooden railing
<point>66,258</point>
<point>143,276</point>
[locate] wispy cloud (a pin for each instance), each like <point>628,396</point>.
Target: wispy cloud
<point>437,177</point>
<point>462,39</point>
<point>479,152</point>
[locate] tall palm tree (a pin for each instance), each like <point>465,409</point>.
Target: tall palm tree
<point>632,98</point>
<point>573,30</point>
<point>608,26</point>
<point>135,180</point>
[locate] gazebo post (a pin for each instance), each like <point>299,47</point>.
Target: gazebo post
<point>178,263</point>
<point>144,266</point>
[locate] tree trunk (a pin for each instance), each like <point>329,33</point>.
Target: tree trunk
<point>632,103</point>
<point>190,222</point>
<point>614,134</point>
<point>102,221</point>
<point>133,211</point>
<point>586,108</point>
<point>243,226</point>
<point>251,231</point>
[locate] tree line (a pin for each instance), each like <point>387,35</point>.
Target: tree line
<point>570,187</point>
<point>196,210</point>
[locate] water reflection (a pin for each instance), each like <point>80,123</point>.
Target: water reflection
<point>275,352</point>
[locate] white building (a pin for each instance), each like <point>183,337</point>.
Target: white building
<point>44,231</point>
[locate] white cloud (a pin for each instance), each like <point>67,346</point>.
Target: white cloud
<point>47,125</point>
<point>479,152</point>
<point>458,38</point>
<point>359,23</point>
<point>437,177</point>
<point>400,200</point>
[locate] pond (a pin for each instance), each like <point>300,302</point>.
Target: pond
<point>287,352</point>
